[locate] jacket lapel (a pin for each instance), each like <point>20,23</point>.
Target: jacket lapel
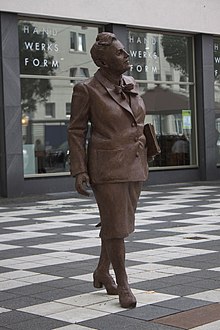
<point>111,90</point>
<point>133,101</point>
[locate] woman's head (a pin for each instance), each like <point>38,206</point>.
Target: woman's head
<point>109,54</point>
<point>98,50</point>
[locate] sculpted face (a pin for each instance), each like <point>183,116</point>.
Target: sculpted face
<point>116,58</point>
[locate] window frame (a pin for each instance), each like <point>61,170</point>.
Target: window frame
<point>190,84</point>
<point>57,79</point>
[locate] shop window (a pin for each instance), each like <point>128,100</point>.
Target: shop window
<point>155,44</point>
<point>68,109</point>
<point>50,110</point>
<point>84,72</point>
<point>50,54</point>
<point>78,41</point>
<point>169,77</point>
<point>157,76</point>
<point>73,40</point>
<point>81,42</point>
<point>78,73</point>
<point>183,79</point>
<point>163,65</point>
<point>216,59</point>
<point>72,74</point>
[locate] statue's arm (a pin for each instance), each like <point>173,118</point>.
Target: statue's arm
<point>77,132</point>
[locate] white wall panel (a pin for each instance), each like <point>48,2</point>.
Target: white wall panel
<point>181,15</point>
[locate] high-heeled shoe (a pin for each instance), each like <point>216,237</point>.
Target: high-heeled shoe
<point>126,297</point>
<point>100,279</point>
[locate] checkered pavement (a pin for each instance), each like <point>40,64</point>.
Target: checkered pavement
<point>49,249</point>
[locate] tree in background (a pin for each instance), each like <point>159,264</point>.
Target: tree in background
<point>175,52</point>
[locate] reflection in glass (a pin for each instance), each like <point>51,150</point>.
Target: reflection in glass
<point>162,65</point>
<point>53,57</point>
<point>217,125</point>
<point>37,48</point>
<point>51,49</point>
<point>44,129</point>
<point>160,55</point>
<point>170,113</point>
<point>216,51</point>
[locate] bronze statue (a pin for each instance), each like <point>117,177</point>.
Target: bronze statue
<point>114,163</point>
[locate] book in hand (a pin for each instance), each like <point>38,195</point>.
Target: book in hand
<point>153,148</point>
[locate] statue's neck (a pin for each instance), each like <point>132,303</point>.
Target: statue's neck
<point>114,78</point>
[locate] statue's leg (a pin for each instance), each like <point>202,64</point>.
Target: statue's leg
<point>104,262</point>
<point>116,251</point>
<point>101,275</point>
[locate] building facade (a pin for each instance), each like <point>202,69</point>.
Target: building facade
<point>174,52</point>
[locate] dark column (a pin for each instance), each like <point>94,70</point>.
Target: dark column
<point>120,31</point>
<point>206,106</point>
<point>11,156</point>
<point>2,135</point>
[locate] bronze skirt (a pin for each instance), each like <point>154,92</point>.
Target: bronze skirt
<point>117,203</point>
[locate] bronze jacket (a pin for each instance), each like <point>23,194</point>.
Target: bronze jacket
<point>116,149</point>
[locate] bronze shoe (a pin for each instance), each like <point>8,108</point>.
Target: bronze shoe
<point>126,297</point>
<point>100,279</point>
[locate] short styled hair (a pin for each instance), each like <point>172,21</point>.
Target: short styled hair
<point>103,40</point>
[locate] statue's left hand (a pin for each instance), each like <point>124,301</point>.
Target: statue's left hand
<point>82,181</point>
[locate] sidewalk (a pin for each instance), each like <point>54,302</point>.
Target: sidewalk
<point>49,248</point>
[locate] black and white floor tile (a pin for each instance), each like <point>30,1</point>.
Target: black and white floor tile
<point>49,249</point>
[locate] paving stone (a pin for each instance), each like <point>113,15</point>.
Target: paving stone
<point>148,312</point>
<point>115,322</point>
<point>181,290</point>
<point>14,317</point>
<point>20,302</point>
<point>55,294</point>
<point>38,323</point>
<point>173,260</point>
<point>192,318</point>
<point>182,303</point>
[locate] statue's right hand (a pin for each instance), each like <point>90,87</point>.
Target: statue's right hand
<point>82,181</point>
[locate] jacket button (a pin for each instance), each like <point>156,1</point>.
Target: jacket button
<point>133,124</point>
<point>137,154</point>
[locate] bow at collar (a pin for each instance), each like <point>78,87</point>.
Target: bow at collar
<point>125,89</point>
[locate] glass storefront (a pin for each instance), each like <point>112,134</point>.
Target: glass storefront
<point>216,51</point>
<point>53,57</point>
<point>162,64</point>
